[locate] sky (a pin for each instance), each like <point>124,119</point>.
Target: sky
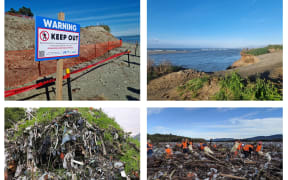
<point>215,122</point>
<point>214,23</point>
<point>122,16</point>
<point>127,118</point>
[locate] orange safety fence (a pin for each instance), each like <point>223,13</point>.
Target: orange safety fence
<point>21,68</point>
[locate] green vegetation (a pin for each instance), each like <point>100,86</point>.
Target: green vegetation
<point>41,115</point>
<point>193,86</point>
<point>156,138</point>
<point>233,87</point>
<point>13,115</point>
<point>22,11</point>
<point>131,157</point>
<point>99,118</point>
<point>106,27</point>
<point>155,71</point>
<point>265,50</point>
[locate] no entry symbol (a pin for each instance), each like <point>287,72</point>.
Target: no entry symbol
<point>44,36</point>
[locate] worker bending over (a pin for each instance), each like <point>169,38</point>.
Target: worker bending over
<point>168,151</point>
<point>247,150</point>
<point>205,148</point>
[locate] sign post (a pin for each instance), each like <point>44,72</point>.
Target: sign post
<point>56,39</point>
<point>59,72</point>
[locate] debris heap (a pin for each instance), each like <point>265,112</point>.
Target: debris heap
<point>69,147</point>
<point>222,164</point>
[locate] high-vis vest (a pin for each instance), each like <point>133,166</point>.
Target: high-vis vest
<point>239,146</point>
<point>201,146</point>
<point>247,147</point>
<point>149,146</point>
<point>168,152</point>
<point>184,145</point>
<point>259,147</point>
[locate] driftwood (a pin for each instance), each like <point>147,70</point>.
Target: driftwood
<point>103,146</point>
<point>232,176</point>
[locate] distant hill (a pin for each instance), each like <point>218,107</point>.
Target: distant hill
<point>171,138</point>
<point>276,137</point>
<point>223,139</point>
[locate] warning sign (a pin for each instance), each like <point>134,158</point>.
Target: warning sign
<point>56,39</point>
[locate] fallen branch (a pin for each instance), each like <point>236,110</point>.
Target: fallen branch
<point>232,176</point>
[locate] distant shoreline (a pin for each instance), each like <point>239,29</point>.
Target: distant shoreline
<point>165,51</point>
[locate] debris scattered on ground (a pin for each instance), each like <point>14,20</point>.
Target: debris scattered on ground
<point>69,147</point>
<point>222,164</point>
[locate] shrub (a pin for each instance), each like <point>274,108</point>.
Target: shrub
<point>155,71</point>
<point>23,11</point>
<point>106,27</point>
<point>233,87</point>
<point>193,86</point>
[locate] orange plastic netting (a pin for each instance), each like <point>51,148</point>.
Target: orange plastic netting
<point>20,67</point>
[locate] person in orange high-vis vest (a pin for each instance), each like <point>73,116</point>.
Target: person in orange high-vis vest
<point>168,151</point>
<point>259,147</point>
<point>184,146</point>
<point>247,149</point>
<point>201,147</point>
<point>149,148</point>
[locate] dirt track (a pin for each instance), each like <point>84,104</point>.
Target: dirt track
<point>113,80</point>
<point>269,66</point>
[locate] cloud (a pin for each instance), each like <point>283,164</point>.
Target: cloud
<point>241,128</point>
<point>128,32</point>
<point>225,109</point>
<point>127,118</point>
<point>151,111</point>
<point>160,130</point>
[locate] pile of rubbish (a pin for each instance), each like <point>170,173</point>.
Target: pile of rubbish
<point>68,147</point>
<point>222,164</point>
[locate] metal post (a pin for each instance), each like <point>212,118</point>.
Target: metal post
<point>136,48</point>
<point>129,58</point>
<point>69,84</point>
<point>59,72</point>
<point>47,90</point>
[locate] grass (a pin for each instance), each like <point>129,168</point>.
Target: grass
<point>265,50</point>
<point>233,87</point>
<point>131,157</point>
<point>193,86</point>
<point>156,71</point>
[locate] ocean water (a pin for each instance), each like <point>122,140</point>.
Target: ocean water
<point>130,39</point>
<point>207,60</point>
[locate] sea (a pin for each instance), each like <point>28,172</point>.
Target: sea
<point>201,59</point>
<point>130,39</point>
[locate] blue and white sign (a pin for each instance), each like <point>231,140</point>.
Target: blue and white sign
<point>55,39</point>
